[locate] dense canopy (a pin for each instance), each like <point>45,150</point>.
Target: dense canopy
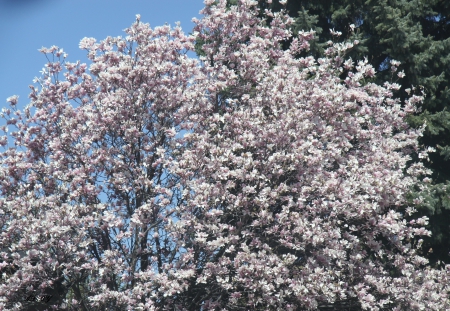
<point>251,179</point>
<point>416,33</point>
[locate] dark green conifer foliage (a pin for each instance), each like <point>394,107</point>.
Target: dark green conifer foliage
<point>416,33</point>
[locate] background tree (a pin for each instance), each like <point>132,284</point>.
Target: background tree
<point>417,34</point>
<point>249,180</point>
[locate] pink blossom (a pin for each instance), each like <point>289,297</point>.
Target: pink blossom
<point>283,192</point>
<point>13,100</point>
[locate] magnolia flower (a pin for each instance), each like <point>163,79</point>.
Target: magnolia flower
<point>275,196</point>
<point>13,100</point>
<point>335,33</point>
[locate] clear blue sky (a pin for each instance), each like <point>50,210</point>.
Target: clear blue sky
<point>27,25</point>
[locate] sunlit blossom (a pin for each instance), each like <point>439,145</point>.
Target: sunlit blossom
<point>283,192</point>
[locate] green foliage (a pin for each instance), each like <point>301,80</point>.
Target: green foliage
<point>436,206</point>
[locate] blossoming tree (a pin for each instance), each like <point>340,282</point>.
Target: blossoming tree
<point>249,180</point>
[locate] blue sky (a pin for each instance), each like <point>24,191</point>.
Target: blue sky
<point>27,25</point>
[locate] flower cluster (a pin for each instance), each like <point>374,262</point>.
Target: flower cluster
<point>251,179</point>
